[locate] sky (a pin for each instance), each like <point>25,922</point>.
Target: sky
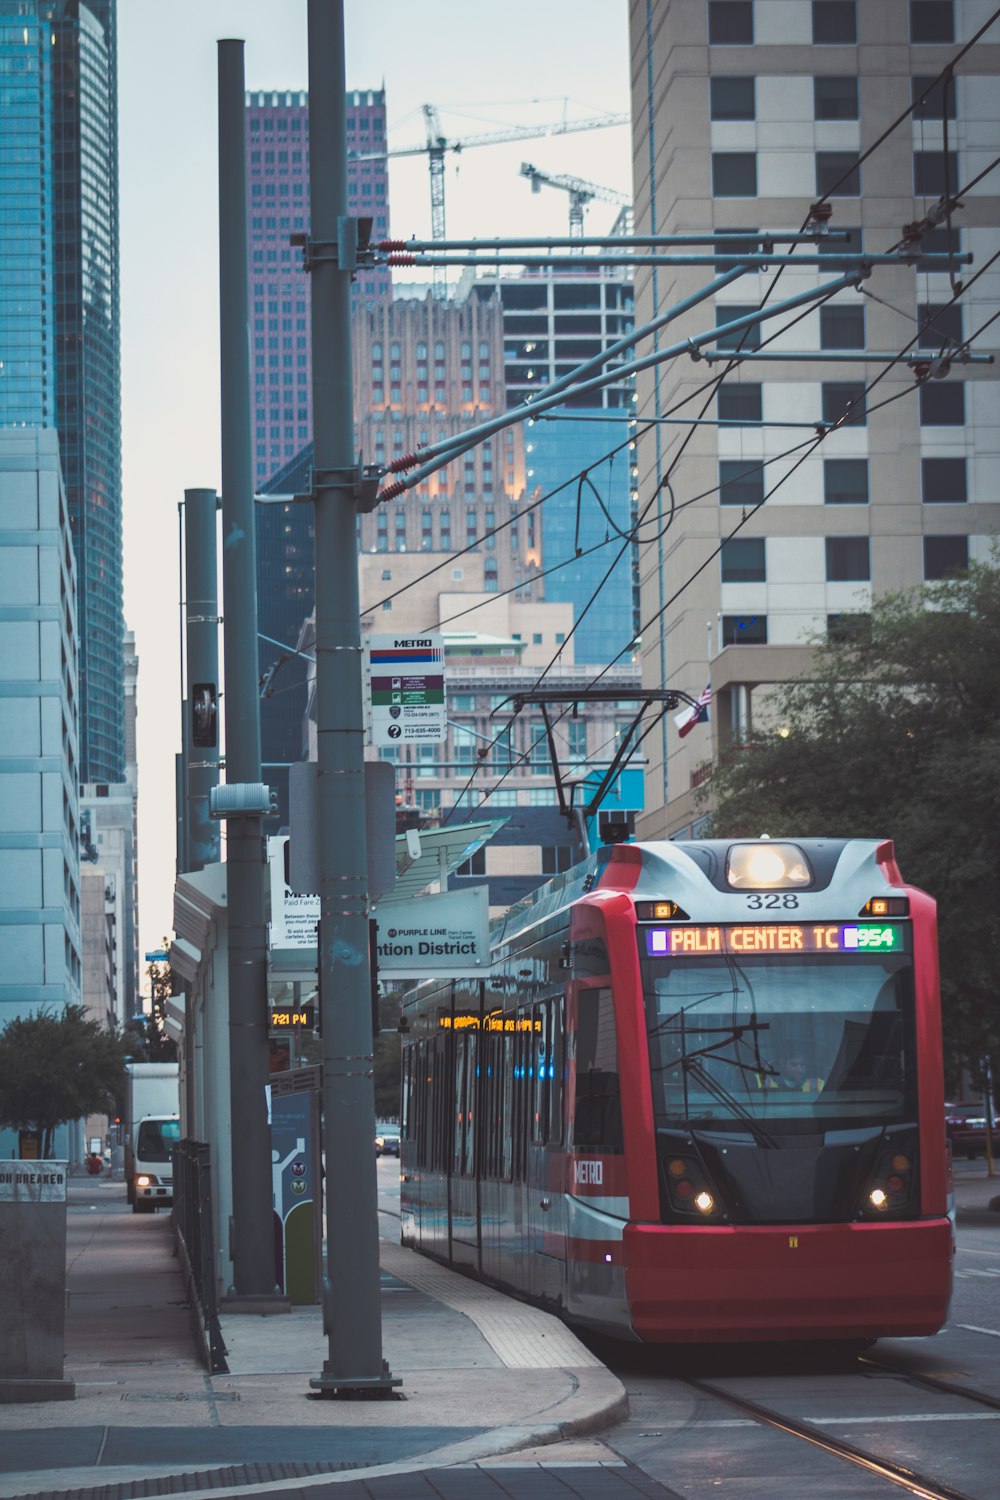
<point>484,67</point>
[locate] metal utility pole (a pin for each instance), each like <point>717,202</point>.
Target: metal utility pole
<point>201,620</point>
<point>251,1234</point>
<point>352,1319</point>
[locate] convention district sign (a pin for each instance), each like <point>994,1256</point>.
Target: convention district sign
<point>446,935</point>
<point>407,688</point>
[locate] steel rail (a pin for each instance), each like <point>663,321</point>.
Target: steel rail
<point>883,1468</point>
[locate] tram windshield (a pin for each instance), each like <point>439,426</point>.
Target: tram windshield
<point>818,1042</point>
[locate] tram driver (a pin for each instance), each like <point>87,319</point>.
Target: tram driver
<point>792,1072</point>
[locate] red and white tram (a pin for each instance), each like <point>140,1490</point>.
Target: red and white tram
<point>698,1097</point>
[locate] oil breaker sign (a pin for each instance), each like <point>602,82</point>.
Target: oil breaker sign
<point>407,688</point>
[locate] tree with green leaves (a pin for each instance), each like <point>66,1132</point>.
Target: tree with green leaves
<point>897,735</point>
<point>55,1068</point>
<point>146,1034</point>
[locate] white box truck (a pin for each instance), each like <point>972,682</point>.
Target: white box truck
<point>152,1129</point>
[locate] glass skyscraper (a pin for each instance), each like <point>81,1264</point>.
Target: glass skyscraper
<point>59,311</point>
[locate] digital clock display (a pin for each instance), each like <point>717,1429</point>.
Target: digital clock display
<point>288,1020</point>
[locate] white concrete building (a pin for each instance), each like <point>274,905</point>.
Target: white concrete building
<point>746,112</point>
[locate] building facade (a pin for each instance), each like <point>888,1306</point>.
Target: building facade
<point>555,320</point>
<point>40,944</point>
<point>59,310</point>
<point>745,114</point>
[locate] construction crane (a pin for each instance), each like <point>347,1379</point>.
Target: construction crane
<point>580,194</point>
<point>438,144</point>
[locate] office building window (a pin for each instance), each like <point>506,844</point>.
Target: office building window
<point>732,98</point>
<point>834,21</point>
<point>843,396</point>
<point>730,23</point>
<point>932,21</point>
<point>929,174</point>
<point>734,174</point>
<point>474,865</point>
<point>742,560</point>
<point>934,98</point>
<point>849,630</point>
<point>847,559</point>
<point>837,174</point>
<point>942,404</point>
<point>845,481</point>
<point>744,630</point>
<point>939,242</point>
<point>940,325</point>
<point>556,858</point>
<point>944,481</point>
<point>834,245</point>
<point>835,98</point>
<point>740,338</point>
<point>741,482</point>
<point>944,556</point>
<point>734,246</point>
<point>842,326</point>
<point>740,404</point>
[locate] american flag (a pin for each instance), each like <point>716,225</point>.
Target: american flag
<point>694,713</point>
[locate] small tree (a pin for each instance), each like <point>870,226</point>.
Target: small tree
<point>55,1068</point>
<point>147,1035</point>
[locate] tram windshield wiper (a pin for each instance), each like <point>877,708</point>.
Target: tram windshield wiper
<point>719,1092</point>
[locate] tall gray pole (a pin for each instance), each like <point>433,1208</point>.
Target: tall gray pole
<point>201,620</point>
<point>352,1317</point>
<point>251,1235</point>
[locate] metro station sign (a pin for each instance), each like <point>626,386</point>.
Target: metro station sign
<point>407,689</point>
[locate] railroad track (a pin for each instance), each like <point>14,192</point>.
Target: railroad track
<point>925,1485</point>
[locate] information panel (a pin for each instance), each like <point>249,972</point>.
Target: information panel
<point>407,688</point>
<point>777,937</point>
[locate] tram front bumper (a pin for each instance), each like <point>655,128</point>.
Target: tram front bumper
<point>785,1282</point>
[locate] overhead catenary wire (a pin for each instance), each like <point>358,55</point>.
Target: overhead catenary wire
<point>845,417</point>
<point>810,447</point>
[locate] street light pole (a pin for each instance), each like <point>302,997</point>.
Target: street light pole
<point>352,1319</point>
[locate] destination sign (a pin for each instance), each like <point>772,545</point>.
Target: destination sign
<point>777,937</point>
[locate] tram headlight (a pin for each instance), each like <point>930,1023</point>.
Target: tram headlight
<point>891,1188</point>
<point>689,1191</point>
<point>765,866</point>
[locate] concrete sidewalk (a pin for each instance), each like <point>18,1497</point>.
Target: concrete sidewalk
<point>482,1375</point>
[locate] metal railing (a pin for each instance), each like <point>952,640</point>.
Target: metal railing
<point>196,1248</point>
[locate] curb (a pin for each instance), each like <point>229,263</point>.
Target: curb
<point>603,1409</point>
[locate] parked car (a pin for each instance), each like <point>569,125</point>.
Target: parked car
<point>965,1125</point>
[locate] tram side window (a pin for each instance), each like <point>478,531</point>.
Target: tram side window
<point>418,1100</point>
<point>490,1100</point>
<point>521,1103</point>
<point>405,1090</point>
<point>546,1121</point>
<point>461,1085</point>
<point>441,1092</point>
<point>597,1106</point>
<point>506,1107</point>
